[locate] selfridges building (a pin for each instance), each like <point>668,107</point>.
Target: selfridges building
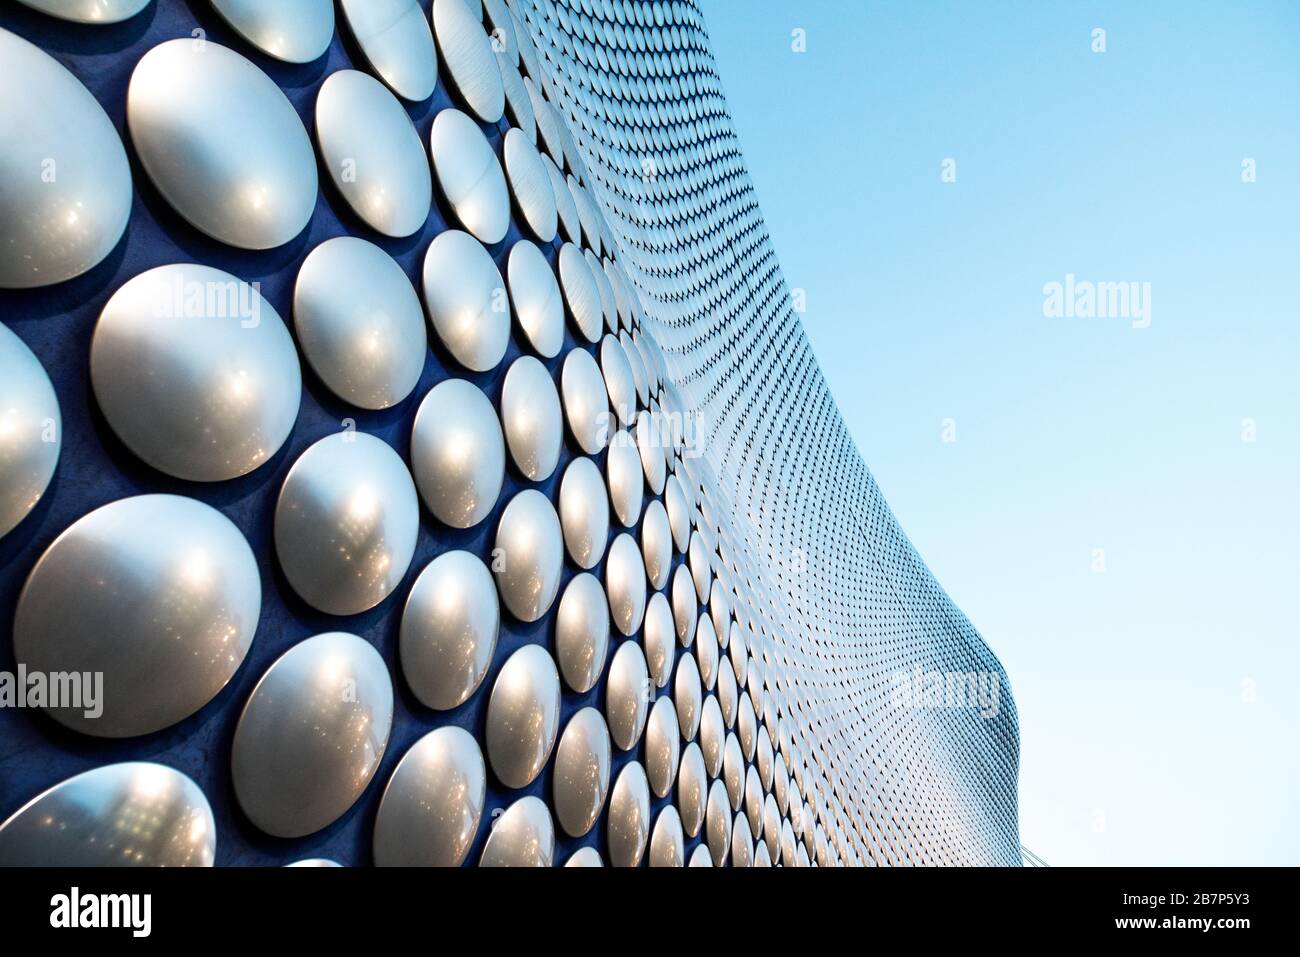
<point>410,454</point>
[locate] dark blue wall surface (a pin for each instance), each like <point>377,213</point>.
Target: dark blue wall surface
<point>95,468</point>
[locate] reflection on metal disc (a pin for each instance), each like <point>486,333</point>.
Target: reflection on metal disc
<point>581,779</point>
<point>100,12</point>
<point>159,593</point>
<point>584,512</point>
<point>31,432</point>
<point>52,229</point>
<point>580,292</point>
<point>433,802</point>
<point>530,185</point>
<point>626,696</point>
<point>134,814</point>
<point>524,836</point>
<point>692,789</point>
<point>523,716</point>
<point>662,747</point>
<point>468,58</point>
<point>469,175</point>
<point>535,296</point>
<point>629,817</point>
<point>296,31</point>
<point>530,413</point>
<point>371,150</point>
<point>312,734</point>
<point>223,145</point>
<point>195,372</point>
<point>458,453</point>
<point>582,632</point>
<point>626,483</point>
<point>667,844</point>
<point>395,38</point>
<point>345,523</point>
<point>530,550</point>
<point>467,300</point>
<point>585,404</point>
<point>449,629</point>
<point>625,584</point>
<point>359,322</point>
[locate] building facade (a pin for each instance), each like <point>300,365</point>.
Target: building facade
<point>541,538</point>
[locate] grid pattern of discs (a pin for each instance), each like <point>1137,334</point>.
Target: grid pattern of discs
<point>530,534</point>
<point>831,593</point>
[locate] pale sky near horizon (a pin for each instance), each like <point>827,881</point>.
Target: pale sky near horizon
<point>1158,720</point>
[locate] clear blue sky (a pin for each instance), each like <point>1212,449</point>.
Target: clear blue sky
<point>1159,700</point>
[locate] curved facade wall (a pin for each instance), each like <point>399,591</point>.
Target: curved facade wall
<point>782,681</point>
